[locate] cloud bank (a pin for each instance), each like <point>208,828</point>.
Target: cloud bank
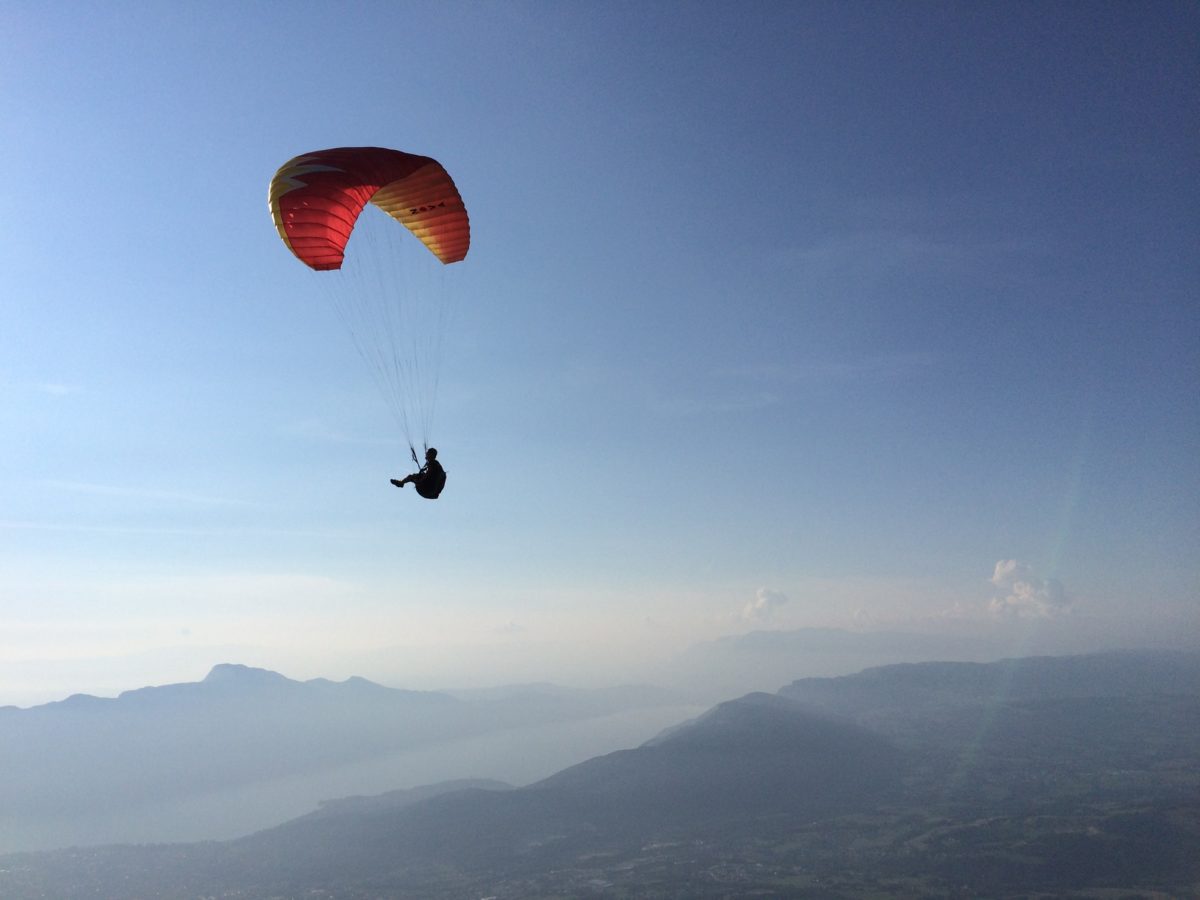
<point>764,604</point>
<point>1022,594</point>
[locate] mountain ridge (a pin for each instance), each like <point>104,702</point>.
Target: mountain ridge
<point>1088,787</point>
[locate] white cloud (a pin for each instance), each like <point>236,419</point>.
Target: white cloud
<point>1023,594</point>
<point>764,604</point>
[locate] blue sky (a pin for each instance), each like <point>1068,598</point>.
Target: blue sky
<point>776,315</point>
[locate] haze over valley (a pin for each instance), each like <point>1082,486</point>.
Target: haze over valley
<point>829,787</point>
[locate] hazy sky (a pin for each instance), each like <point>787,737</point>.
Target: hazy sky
<point>869,315</point>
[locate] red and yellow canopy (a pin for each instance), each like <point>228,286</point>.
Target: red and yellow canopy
<point>316,198</point>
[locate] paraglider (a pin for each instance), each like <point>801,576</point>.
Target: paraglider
<point>316,201</point>
<point>430,480</point>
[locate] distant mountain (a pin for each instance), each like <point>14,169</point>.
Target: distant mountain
<point>96,757</point>
<point>1039,776</point>
<point>393,800</point>
<point>759,755</point>
<point>237,725</point>
<point>905,689</point>
<point>766,660</point>
<point>747,757</point>
<point>1037,720</point>
<point>764,758</point>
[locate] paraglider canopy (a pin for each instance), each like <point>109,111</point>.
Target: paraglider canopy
<point>316,198</point>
